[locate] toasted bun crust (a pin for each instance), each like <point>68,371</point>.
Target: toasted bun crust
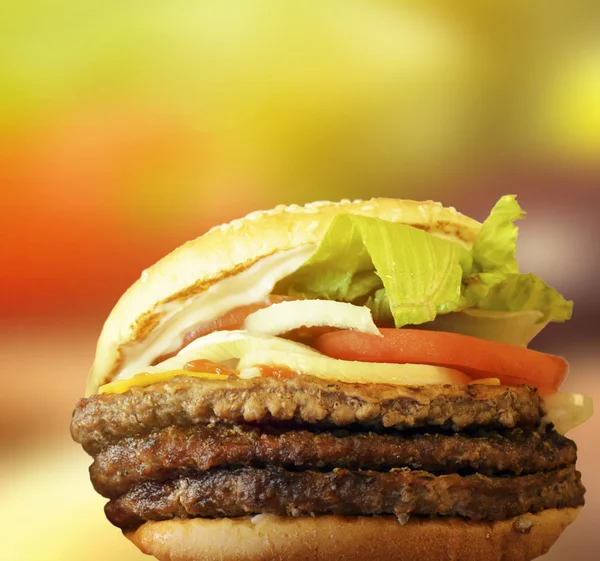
<point>229,249</point>
<point>333,538</point>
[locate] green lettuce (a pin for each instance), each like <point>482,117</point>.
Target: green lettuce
<point>519,293</point>
<point>496,243</point>
<point>421,274</point>
<point>407,276</point>
<point>494,250</point>
<point>380,308</point>
<point>513,328</point>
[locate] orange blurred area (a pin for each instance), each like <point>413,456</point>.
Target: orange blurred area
<point>127,128</point>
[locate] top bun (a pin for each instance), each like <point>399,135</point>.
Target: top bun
<point>231,248</point>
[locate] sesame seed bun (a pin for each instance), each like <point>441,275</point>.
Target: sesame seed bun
<point>231,248</point>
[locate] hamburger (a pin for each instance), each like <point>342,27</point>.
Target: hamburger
<point>336,381</point>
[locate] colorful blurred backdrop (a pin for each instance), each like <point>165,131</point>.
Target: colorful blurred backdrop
<point>129,127</point>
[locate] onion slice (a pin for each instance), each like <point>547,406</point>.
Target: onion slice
<point>356,372</point>
<point>221,347</point>
<point>287,316</point>
<point>568,410</point>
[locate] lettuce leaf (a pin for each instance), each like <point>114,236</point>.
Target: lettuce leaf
<point>380,308</point>
<point>496,243</point>
<point>341,268</point>
<point>422,274</point>
<point>513,328</point>
<point>494,250</point>
<point>408,276</point>
<point>518,293</point>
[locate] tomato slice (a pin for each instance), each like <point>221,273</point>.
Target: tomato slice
<point>475,357</point>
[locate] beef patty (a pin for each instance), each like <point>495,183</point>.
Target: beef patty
<point>174,452</point>
<point>401,492</point>
<point>104,419</point>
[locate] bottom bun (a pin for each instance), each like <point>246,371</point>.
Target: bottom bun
<point>352,538</point>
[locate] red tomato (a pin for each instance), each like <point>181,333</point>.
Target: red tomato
<point>475,357</point>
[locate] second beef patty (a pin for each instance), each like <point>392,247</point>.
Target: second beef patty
<point>173,452</point>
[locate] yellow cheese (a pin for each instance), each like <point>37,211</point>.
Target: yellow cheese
<point>486,382</point>
<point>145,379</point>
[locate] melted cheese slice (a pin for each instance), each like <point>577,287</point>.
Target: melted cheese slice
<point>147,379</point>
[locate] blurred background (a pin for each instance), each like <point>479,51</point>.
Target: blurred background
<point>129,127</point>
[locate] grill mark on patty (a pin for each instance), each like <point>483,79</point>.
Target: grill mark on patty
<point>104,419</point>
<point>173,452</point>
<point>400,491</point>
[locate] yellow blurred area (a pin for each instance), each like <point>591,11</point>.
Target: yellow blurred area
<point>129,127</point>
<point>319,94</point>
<point>70,525</point>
